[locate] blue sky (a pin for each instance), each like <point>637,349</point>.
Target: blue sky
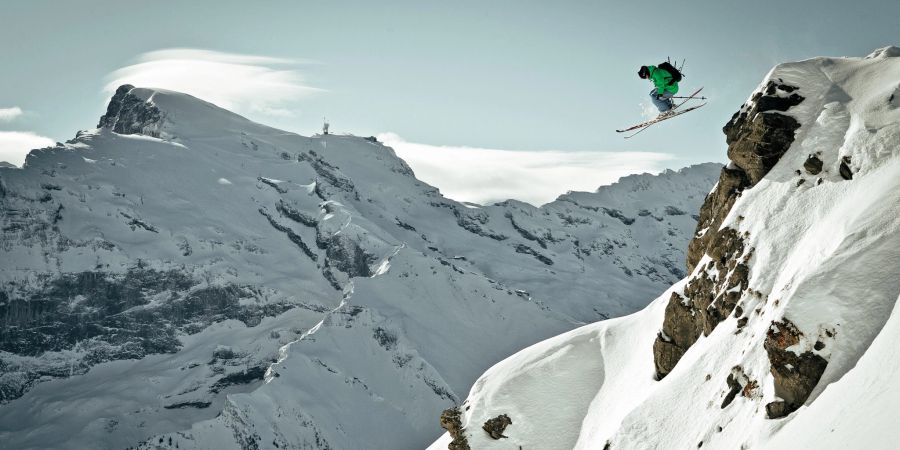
<point>510,75</point>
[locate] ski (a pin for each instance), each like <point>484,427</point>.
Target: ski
<point>661,118</point>
<point>646,125</point>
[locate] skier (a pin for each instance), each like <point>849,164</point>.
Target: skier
<point>665,86</point>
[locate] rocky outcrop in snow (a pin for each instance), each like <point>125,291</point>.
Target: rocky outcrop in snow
<point>757,136</point>
<point>450,422</point>
<point>129,114</point>
<point>794,373</point>
<point>496,426</point>
<point>783,335</point>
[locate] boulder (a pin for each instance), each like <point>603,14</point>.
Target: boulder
<point>497,425</point>
<point>795,373</point>
<point>813,165</point>
<point>844,168</point>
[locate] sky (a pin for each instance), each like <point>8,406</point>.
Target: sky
<point>439,78</point>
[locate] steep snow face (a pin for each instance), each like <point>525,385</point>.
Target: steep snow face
<point>812,321</point>
<point>183,274</point>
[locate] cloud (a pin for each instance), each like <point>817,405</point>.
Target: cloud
<point>10,114</point>
<point>247,84</point>
<point>15,145</point>
<point>483,176</point>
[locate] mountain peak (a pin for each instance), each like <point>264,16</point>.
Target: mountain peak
<point>128,113</point>
<point>166,114</point>
<point>891,51</point>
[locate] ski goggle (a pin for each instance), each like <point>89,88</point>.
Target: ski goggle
<point>644,72</point>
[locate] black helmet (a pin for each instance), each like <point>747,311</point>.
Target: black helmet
<point>644,72</point>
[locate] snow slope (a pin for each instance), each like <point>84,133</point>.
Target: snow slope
<point>183,273</point>
<point>822,252</point>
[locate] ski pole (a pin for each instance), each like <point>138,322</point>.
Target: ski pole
<point>695,98</point>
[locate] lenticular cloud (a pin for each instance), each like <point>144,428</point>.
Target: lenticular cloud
<point>248,84</point>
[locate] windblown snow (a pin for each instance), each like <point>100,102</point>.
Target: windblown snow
<point>822,229</point>
<point>183,277</point>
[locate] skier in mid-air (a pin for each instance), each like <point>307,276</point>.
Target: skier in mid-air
<point>665,77</point>
<point>665,84</point>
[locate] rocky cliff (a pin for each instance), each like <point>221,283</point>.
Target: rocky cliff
<point>758,135</point>
<point>780,335</point>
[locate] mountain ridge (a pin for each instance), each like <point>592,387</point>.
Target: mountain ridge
<point>240,268</point>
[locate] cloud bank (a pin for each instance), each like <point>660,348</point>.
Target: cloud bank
<point>481,175</point>
<point>246,84</point>
<point>15,145</point>
<point>10,114</point>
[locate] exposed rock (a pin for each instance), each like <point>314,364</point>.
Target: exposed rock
<point>777,409</point>
<point>346,255</point>
<point>524,249</point>
<point>294,237</point>
<point>451,422</point>
<point>272,184</point>
<point>755,143</point>
<point>618,215</point>
<point>734,387</point>
<point>327,174</point>
<point>542,241</point>
<point>757,139</point>
<point>738,383</point>
<point>196,404</point>
<point>732,181</point>
<point>112,317</point>
<point>128,114</point>
<point>223,352</point>
<point>844,169</point>
<point>680,330</point>
<point>473,222</point>
<point>404,225</point>
<point>295,214</point>
<point>497,425</point>
<point>707,300</point>
<point>813,165</point>
<point>246,376</point>
<point>795,374</point>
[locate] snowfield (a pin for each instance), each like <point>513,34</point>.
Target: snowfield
<point>822,251</point>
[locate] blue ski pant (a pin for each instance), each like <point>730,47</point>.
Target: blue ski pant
<point>663,104</point>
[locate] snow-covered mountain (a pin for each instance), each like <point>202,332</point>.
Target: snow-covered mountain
<point>783,336</point>
<point>181,276</point>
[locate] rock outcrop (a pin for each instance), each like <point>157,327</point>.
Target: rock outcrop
<point>813,165</point>
<point>129,114</point>
<point>451,422</point>
<point>757,136</point>
<point>795,373</point>
<point>709,297</point>
<point>496,426</point>
<point>844,168</point>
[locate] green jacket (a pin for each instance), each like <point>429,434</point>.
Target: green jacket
<point>661,79</point>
